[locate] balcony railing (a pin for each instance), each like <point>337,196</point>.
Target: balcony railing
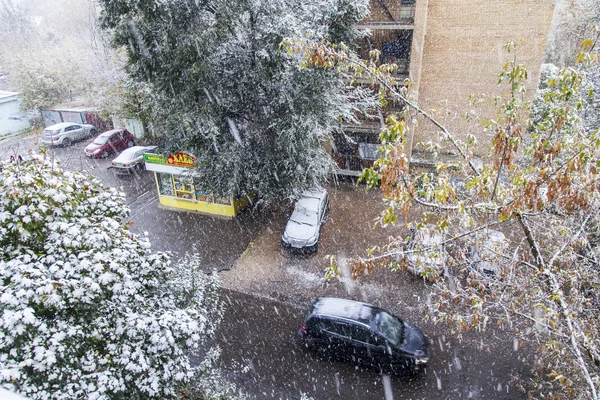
<point>351,165</point>
<point>389,17</point>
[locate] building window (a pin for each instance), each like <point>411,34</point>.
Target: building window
<point>398,48</point>
<point>394,45</point>
<point>200,196</point>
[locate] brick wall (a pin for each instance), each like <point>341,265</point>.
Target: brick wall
<point>459,52</point>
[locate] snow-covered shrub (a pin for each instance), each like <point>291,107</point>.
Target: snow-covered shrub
<point>88,311</point>
<point>209,383</point>
<point>547,72</point>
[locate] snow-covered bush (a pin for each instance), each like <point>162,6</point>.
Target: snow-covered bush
<point>547,72</point>
<point>87,310</point>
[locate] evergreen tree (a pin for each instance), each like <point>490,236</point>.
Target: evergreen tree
<point>222,88</point>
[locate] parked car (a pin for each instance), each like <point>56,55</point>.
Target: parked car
<point>110,142</point>
<point>131,159</point>
<point>66,133</point>
<point>301,234</point>
<point>485,251</point>
<point>363,334</point>
<point>427,256</point>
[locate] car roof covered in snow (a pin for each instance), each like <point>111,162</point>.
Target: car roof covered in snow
<point>309,201</point>
<point>128,153</point>
<point>343,308</point>
<point>60,125</point>
<point>108,133</point>
<point>314,193</point>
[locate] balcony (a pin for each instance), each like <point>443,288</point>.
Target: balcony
<point>392,16</point>
<point>356,150</point>
<point>394,46</point>
<point>391,31</point>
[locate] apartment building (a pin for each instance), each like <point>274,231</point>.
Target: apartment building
<point>449,49</point>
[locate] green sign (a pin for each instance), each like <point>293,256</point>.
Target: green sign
<point>154,158</point>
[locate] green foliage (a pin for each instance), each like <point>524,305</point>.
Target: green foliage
<point>332,270</point>
<point>370,176</point>
<point>222,87</point>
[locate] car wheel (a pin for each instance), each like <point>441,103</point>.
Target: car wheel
<point>130,143</point>
<point>92,133</point>
<point>105,154</point>
<point>66,142</point>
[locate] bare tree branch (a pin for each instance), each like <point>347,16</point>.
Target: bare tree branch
<point>558,297</point>
<point>570,241</point>
<point>566,313</point>
<point>443,243</point>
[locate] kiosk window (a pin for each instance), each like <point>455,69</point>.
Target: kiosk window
<point>165,184</point>
<point>184,189</point>
<point>200,195</point>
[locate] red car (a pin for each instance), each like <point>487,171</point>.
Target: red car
<point>110,142</point>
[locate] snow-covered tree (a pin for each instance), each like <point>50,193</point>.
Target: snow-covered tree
<point>571,23</point>
<point>589,95</point>
<point>537,192</point>
<point>54,51</point>
<point>88,311</point>
<point>223,90</point>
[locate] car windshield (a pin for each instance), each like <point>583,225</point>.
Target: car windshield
<point>390,327</point>
<point>304,216</point>
<point>101,140</point>
<point>306,211</point>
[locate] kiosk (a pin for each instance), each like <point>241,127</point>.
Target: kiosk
<point>176,184</point>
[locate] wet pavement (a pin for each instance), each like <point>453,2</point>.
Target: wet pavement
<point>267,292</point>
<point>261,323</point>
<point>268,270</point>
<point>260,354</point>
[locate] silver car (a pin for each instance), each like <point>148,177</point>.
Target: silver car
<point>301,234</point>
<point>131,159</point>
<point>66,133</point>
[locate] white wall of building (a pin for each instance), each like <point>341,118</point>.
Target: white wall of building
<point>12,119</point>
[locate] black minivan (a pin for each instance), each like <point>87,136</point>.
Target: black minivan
<point>364,334</point>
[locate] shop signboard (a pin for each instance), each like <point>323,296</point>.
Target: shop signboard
<point>180,159</point>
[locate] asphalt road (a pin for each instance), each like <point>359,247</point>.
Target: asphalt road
<point>261,355</point>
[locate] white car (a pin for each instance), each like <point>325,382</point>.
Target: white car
<point>301,234</point>
<point>426,254</point>
<point>66,133</point>
<point>131,159</point>
<point>485,253</point>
